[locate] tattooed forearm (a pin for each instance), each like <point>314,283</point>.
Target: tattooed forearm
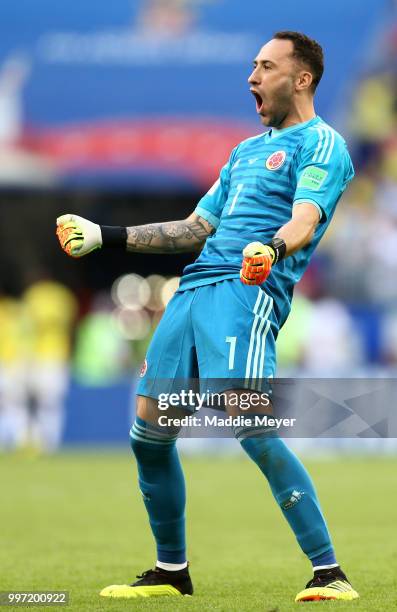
<point>170,237</point>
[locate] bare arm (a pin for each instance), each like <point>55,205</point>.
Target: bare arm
<point>170,237</point>
<point>299,231</point>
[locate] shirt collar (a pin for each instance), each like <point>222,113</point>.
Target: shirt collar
<point>275,133</point>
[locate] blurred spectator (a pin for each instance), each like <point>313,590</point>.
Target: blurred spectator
<point>13,369</point>
<point>50,309</point>
<point>332,345</point>
<point>293,336</point>
<point>318,340</point>
<point>373,116</point>
<point>102,356</point>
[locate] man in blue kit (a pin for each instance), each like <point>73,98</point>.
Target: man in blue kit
<point>271,205</point>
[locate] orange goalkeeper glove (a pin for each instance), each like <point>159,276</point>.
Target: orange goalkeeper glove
<point>259,259</point>
<point>78,236</point>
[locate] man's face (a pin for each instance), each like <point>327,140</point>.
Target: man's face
<point>273,81</point>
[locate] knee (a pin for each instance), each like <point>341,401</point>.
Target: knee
<point>148,442</point>
<point>138,447</point>
<point>146,452</point>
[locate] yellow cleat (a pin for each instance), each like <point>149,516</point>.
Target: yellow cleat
<point>127,592</point>
<point>328,585</point>
<point>153,583</point>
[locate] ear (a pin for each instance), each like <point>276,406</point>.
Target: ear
<point>304,80</point>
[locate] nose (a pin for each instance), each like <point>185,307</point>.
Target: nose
<point>253,78</point>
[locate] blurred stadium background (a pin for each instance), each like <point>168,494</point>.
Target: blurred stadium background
<point>124,112</point>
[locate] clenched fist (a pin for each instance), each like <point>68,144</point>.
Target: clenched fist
<point>78,236</point>
<point>257,263</point>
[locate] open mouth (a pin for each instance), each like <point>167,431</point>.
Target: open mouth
<point>258,100</point>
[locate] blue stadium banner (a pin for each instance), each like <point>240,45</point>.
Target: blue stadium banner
<point>149,93</point>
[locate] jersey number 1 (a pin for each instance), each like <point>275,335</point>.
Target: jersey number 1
<point>232,350</point>
<point>238,191</point>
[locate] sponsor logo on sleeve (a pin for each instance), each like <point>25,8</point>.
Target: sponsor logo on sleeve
<point>312,178</point>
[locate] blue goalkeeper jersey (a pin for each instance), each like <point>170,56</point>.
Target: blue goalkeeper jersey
<point>264,178</point>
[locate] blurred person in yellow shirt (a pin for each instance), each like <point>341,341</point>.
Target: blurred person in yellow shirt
<point>51,310</point>
<point>13,369</point>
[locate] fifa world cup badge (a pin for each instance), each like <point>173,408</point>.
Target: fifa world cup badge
<point>276,160</point>
<point>143,369</point>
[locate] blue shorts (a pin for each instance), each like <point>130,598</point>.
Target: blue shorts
<point>223,332</point>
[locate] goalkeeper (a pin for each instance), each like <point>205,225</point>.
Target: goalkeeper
<point>270,207</point>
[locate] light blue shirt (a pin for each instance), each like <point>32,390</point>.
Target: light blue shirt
<point>264,178</point>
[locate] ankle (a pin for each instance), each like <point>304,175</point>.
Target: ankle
<point>171,567</point>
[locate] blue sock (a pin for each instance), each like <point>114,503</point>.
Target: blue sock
<point>293,490</point>
<point>162,486</point>
<point>327,559</point>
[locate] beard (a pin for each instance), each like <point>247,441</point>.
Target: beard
<point>279,107</point>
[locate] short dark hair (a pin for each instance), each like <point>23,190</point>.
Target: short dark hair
<point>307,51</point>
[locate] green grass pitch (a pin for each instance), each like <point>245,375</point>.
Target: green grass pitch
<point>76,522</point>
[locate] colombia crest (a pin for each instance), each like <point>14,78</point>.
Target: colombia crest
<point>276,160</point>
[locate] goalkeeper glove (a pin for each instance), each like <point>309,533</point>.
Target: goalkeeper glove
<point>259,259</point>
<point>78,236</point>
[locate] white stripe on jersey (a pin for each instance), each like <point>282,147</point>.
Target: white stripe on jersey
<point>262,296</point>
<point>263,347</point>
<point>320,132</point>
<point>259,331</point>
<point>331,147</point>
<point>238,191</point>
<point>325,145</point>
<point>259,339</point>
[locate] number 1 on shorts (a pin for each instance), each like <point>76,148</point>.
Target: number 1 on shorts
<point>232,341</point>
